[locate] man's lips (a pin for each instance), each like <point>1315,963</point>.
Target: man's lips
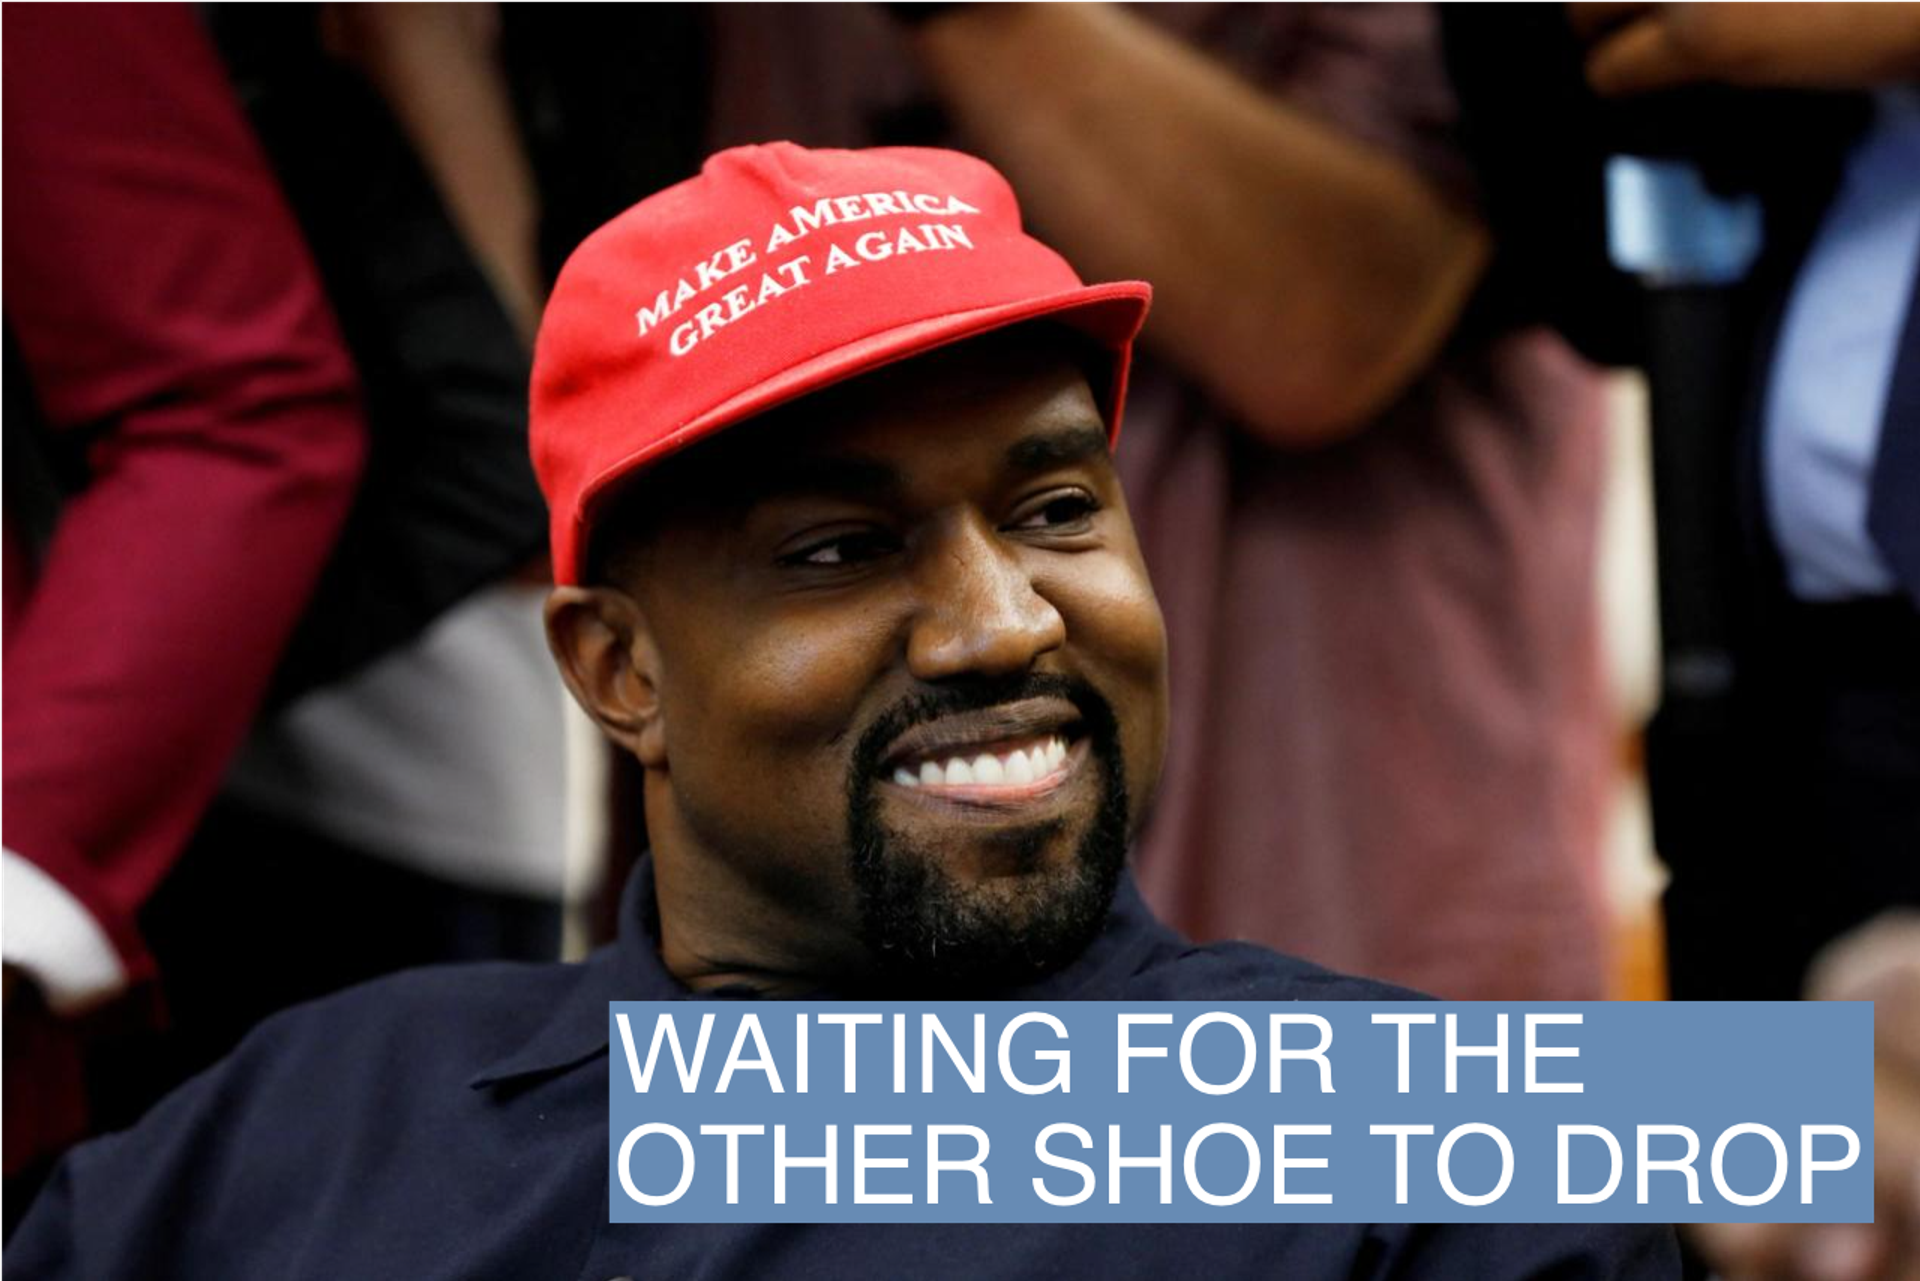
<point>993,732</point>
<point>1015,764</point>
<point>1002,755</point>
<point>1010,775</point>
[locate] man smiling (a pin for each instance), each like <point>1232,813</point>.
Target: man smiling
<point>902,589</point>
<point>916,601</point>
<point>853,580</point>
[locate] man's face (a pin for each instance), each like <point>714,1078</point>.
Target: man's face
<point>910,677</point>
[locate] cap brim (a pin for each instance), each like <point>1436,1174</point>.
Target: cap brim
<point>1112,314</point>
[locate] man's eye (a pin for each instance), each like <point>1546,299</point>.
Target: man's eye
<point>843,549</point>
<point>1059,513</point>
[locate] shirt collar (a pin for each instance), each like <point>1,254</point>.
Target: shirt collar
<point>630,969</point>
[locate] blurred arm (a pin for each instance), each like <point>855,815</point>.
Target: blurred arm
<point>437,67</point>
<point>1641,47</point>
<point>1303,277</point>
<point>166,307</point>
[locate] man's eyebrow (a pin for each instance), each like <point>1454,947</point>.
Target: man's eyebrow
<point>1058,448</point>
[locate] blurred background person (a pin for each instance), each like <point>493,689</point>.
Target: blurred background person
<point>1729,197</point>
<point>412,775</point>
<point>403,796</point>
<point>183,438</point>
<point>1831,444</point>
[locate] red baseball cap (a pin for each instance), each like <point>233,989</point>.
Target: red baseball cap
<point>776,272</point>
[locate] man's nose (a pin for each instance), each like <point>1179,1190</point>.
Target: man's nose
<point>978,612</point>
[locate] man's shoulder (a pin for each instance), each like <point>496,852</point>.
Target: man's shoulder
<point>366,1099</point>
<point>426,1024</point>
<point>468,1000</point>
<point>400,1039</point>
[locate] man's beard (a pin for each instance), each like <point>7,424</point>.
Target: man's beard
<point>931,934</point>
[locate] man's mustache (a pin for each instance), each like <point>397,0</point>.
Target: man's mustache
<point>980,695</point>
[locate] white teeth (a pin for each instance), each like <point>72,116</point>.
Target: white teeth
<point>1012,769</point>
<point>1019,769</point>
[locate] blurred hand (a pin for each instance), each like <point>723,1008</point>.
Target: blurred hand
<point>1639,47</point>
<point>1878,963</point>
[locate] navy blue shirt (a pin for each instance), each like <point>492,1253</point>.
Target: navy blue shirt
<point>452,1122</point>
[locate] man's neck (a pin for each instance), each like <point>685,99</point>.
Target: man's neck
<point>728,935</point>
<point>709,974</point>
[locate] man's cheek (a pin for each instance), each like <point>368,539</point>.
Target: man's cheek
<point>1140,632</point>
<point>1139,664</point>
<point>1110,609</point>
<point>1115,621</point>
<point>797,686</point>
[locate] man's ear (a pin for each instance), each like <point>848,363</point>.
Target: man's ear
<point>606,654</point>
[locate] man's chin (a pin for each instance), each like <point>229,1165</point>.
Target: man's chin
<point>932,927</point>
<point>957,896</point>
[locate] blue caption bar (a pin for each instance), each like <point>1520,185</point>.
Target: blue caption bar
<point>1186,1112</point>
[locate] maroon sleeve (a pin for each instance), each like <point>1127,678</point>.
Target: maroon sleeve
<point>169,314</point>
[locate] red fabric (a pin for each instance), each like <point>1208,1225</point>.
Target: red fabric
<point>167,308</point>
<point>718,299</point>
